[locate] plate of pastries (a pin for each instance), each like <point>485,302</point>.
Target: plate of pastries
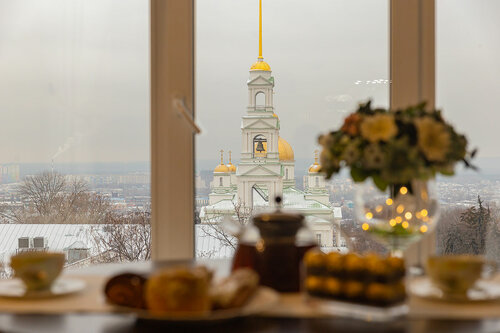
<point>185,293</point>
<point>369,280</point>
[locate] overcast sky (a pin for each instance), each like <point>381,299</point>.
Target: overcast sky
<point>74,74</point>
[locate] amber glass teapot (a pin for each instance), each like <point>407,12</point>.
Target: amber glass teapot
<point>273,244</point>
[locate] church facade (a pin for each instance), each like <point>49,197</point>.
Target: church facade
<point>267,167</point>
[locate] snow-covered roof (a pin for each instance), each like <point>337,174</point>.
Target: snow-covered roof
<point>77,245</point>
<point>58,237</point>
<point>62,237</point>
<point>293,199</point>
<point>209,244</point>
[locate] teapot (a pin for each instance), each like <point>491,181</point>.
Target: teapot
<point>273,244</point>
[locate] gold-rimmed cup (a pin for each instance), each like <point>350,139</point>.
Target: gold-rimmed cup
<point>456,274</point>
<point>37,269</point>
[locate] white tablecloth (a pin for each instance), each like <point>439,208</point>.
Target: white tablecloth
<point>91,300</point>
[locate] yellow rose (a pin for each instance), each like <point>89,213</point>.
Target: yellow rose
<point>380,127</point>
<point>433,139</point>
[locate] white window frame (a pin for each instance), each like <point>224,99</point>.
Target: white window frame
<point>412,75</point>
<point>172,139</point>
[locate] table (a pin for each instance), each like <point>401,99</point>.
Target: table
<point>31,323</point>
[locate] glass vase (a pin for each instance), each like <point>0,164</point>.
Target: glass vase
<point>398,216</point>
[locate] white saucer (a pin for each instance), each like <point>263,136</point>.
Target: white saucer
<point>484,290</point>
<point>15,288</point>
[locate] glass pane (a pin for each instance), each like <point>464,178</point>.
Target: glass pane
<point>468,49</point>
<point>74,101</point>
<point>326,57</point>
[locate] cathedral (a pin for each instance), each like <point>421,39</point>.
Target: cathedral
<point>267,166</point>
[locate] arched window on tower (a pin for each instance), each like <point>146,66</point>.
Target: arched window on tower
<point>316,181</point>
<point>286,173</point>
<point>259,146</point>
<point>260,100</point>
<point>220,181</point>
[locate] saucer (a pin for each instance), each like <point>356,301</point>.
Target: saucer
<point>15,288</point>
<point>484,290</point>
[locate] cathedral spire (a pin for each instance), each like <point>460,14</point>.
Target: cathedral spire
<point>260,30</point>
<point>222,156</point>
<point>260,65</point>
<point>229,157</point>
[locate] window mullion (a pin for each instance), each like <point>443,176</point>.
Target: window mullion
<point>172,165</point>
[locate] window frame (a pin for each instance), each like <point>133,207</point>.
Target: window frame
<point>172,137</point>
<point>412,77</point>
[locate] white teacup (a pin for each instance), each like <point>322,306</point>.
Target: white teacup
<point>456,274</point>
<point>38,269</point>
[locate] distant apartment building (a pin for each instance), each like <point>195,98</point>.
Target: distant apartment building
<point>9,173</point>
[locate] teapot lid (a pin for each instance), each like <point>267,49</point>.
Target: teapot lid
<point>278,223</point>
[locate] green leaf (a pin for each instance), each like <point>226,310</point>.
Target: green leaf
<point>358,175</point>
<point>447,172</point>
<point>380,183</point>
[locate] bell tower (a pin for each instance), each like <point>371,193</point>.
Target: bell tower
<point>260,171</point>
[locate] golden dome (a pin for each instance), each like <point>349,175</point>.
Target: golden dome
<point>315,167</point>
<point>221,168</point>
<point>260,65</point>
<point>285,150</point>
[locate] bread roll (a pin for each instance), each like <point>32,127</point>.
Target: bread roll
<point>177,291</point>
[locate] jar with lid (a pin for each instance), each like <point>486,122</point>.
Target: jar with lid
<point>273,244</point>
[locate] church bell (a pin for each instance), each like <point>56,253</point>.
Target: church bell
<point>260,147</point>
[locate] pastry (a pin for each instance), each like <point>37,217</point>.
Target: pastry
<point>314,284</point>
<point>235,290</point>
<point>369,279</point>
<point>180,290</point>
<point>126,290</point>
<point>334,263</point>
<point>333,287</point>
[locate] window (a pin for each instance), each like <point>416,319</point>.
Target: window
<point>328,89</point>
<point>75,114</point>
<point>318,239</point>
<point>307,85</point>
<point>260,99</point>
<point>220,181</point>
<point>467,68</point>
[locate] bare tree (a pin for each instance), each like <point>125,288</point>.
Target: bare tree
<point>50,197</point>
<point>43,191</point>
<point>493,235</point>
<point>449,232</point>
<point>123,238</point>
<point>358,240</point>
<point>465,231</point>
<point>218,227</point>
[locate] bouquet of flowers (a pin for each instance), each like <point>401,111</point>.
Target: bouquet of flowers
<point>394,147</point>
